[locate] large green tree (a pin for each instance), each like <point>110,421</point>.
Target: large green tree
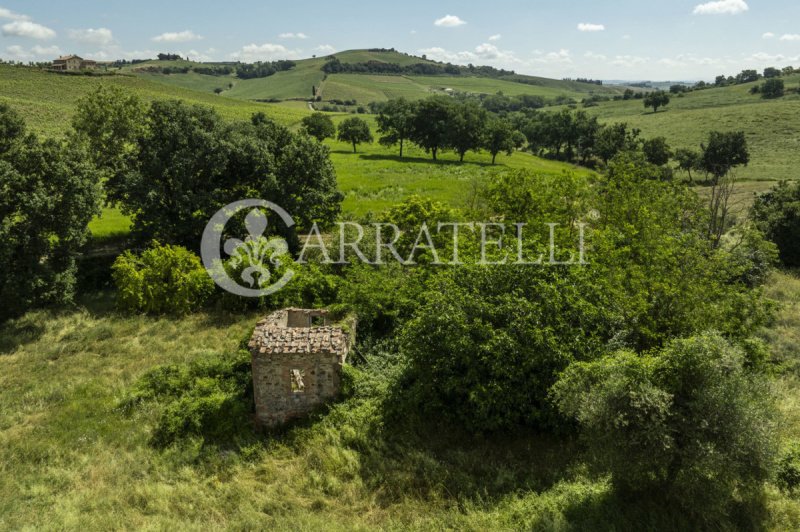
<point>467,127</point>
<point>777,214</point>
<point>395,122</point>
<point>108,122</point>
<point>689,424</point>
<point>49,191</point>
<point>190,163</point>
<point>431,128</point>
<point>500,137</point>
<point>355,131</point>
<point>656,99</point>
<point>319,125</point>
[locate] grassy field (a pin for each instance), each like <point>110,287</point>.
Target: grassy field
<point>771,126</point>
<point>71,458</point>
<point>375,178</point>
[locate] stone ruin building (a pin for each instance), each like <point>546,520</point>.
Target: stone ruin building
<point>297,357</point>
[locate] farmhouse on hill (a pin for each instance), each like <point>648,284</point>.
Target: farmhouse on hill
<point>70,63</point>
<point>297,358</point>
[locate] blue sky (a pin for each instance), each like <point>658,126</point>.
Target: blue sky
<point>626,39</point>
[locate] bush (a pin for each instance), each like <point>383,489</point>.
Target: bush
<point>488,343</point>
<point>777,214</point>
<point>772,88</point>
<point>210,399</point>
<point>689,425</point>
<point>788,473</point>
<point>163,279</point>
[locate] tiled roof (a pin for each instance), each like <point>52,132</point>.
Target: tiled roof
<point>272,336</point>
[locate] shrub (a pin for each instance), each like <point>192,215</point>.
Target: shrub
<point>777,214</point>
<point>163,279</point>
<point>690,424</point>
<point>209,399</point>
<point>772,88</point>
<point>488,343</point>
<point>788,471</point>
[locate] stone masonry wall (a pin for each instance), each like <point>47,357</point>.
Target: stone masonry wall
<point>296,367</point>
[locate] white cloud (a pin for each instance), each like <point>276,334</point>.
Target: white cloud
<point>482,53</point>
<point>202,57</point>
<point>488,51</point>
<point>790,37</point>
<point>495,37</point>
<point>629,61</point>
<point>16,51</point>
<point>99,36</point>
<point>594,57</point>
<point>560,57</point>
<point>10,15</point>
<point>179,36</point>
<point>437,53</point>
<point>626,37</point>
<point>264,52</point>
<point>758,59</point>
<point>36,52</point>
<point>325,49</point>
<point>768,35</point>
<point>290,35</point>
<point>585,26</point>
<point>46,50</point>
<point>25,28</point>
<point>722,7</point>
<point>449,21</point>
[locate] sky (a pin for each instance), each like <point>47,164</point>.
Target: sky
<point>679,40</point>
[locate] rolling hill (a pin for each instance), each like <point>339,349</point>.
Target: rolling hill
<point>771,126</point>
<point>47,100</point>
<point>365,88</point>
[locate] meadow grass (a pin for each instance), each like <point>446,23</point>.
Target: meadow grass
<point>110,224</point>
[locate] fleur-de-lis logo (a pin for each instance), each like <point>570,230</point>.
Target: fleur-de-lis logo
<point>257,258</point>
<point>256,252</point>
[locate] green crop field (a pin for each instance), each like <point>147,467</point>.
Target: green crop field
<point>771,126</point>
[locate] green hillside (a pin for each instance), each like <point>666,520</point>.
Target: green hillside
<point>295,83</point>
<point>365,88</point>
<point>771,126</point>
<point>47,100</point>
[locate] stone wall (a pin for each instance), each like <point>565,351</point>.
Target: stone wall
<point>296,365</point>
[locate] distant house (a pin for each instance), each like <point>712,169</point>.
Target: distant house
<point>73,62</point>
